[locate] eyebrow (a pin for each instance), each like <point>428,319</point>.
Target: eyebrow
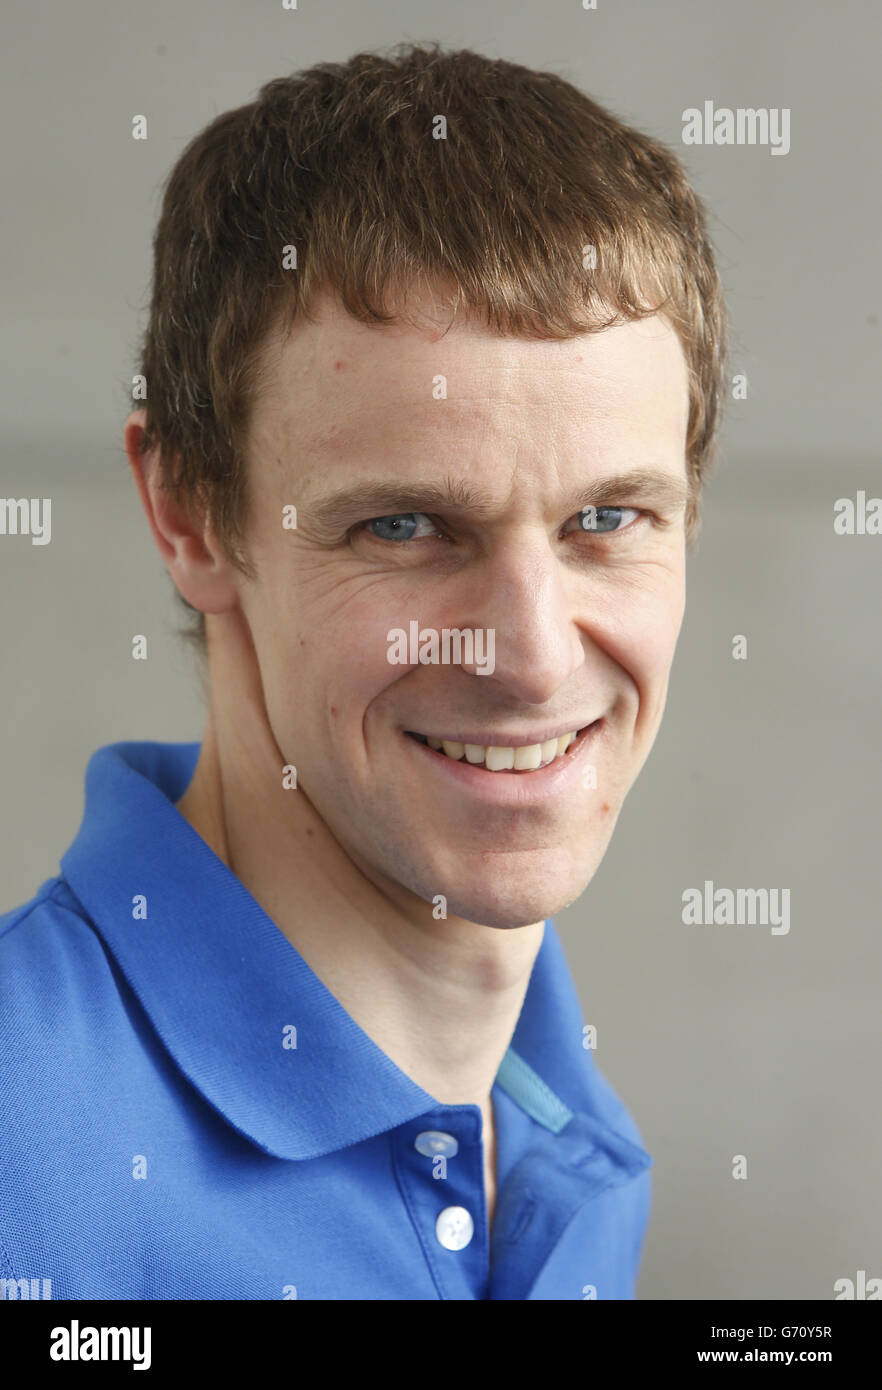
<point>383,498</point>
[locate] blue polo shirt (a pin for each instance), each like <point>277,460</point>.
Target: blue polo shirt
<point>187,1112</point>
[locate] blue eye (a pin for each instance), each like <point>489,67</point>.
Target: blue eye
<point>604,519</point>
<point>400,526</point>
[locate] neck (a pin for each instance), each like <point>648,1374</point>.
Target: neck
<point>440,997</point>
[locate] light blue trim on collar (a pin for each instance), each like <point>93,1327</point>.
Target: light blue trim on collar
<point>530,1092</point>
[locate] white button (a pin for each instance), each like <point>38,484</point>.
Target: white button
<point>454,1228</point>
<point>435,1141</point>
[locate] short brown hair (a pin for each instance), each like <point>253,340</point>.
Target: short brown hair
<point>342,162</point>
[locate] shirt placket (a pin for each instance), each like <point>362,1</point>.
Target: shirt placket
<point>438,1161</point>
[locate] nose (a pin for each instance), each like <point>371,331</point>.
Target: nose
<point>524,595</point>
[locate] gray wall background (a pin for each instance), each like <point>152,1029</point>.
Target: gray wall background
<point>722,1040</point>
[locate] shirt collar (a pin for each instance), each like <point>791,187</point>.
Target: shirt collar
<point>221,984</point>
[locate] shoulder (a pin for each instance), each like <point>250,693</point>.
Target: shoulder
<point>62,1014</point>
<point>50,957</point>
<point>76,1089</point>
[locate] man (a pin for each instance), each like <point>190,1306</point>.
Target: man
<point>433,372</point>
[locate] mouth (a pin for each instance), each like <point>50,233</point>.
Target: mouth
<point>516,758</point>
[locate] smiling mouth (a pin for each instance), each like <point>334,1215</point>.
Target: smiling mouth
<point>529,757</point>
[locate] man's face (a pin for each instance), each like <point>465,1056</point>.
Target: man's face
<point>465,512</point>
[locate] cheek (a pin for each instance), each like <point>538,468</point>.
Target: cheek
<point>639,634</point>
<point>653,640</point>
<point>330,673</point>
<point>322,633</point>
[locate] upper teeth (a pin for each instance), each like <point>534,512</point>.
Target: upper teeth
<point>497,759</point>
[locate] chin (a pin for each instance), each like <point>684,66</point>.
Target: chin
<point>505,904</point>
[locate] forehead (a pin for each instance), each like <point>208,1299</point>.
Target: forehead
<point>337,383</point>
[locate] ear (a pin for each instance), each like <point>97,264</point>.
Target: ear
<point>191,552</point>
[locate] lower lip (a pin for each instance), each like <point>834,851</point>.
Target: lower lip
<point>513,788</point>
